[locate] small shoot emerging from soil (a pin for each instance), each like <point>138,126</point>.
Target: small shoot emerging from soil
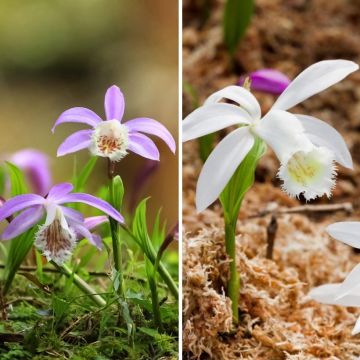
<point>306,147</point>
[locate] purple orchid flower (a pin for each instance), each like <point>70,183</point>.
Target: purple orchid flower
<point>57,237</point>
<point>267,80</point>
<point>111,138</point>
<point>35,165</point>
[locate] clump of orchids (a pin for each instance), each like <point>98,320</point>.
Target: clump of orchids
<point>307,148</point>
<point>49,217</point>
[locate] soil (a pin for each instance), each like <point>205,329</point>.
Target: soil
<point>278,320</point>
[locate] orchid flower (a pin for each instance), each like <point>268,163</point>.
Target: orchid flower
<point>306,147</point>
<point>57,237</point>
<point>112,138</point>
<point>267,80</point>
<point>35,165</point>
<point>346,293</point>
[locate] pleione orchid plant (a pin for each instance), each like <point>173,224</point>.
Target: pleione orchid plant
<point>346,293</point>
<point>50,220</point>
<point>307,148</point>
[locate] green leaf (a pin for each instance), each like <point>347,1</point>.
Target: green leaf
<point>206,145</point>
<point>21,245</point>
<point>81,180</point>
<point>243,178</point>
<point>2,180</point>
<point>237,16</point>
<point>117,192</point>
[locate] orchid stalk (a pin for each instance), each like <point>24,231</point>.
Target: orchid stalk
<point>306,147</point>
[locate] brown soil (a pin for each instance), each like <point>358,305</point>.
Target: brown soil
<point>278,321</point>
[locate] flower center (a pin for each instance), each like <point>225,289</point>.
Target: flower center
<point>309,173</point>
<point>110,140</point>
<point>55,241</point>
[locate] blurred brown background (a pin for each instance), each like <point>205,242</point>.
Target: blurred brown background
<point>62,53</point>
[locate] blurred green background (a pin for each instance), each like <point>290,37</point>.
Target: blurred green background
<point>63,53</point>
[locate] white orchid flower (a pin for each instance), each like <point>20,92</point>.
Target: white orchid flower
<point>346,293</point>
<point>306,147</point>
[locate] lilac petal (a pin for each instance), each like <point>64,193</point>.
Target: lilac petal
<point>114,103</point>
<point>94,221</point>
<point>75,142</point>
<point>143,146</point>
<point>35,165</point>
<point>23,222</point>
<point>72,215</point>
<point>78,115</point>
<point>19,203</point>
<point>93,201</point>
<point>267,80</point>
<point>153,127</point>
<point>59,190</point>
<point>83,233</point>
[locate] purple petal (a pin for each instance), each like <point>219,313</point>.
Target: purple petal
<point>153,127</point>
<point>82,232</point>
<point>59,190</point>
<point>23,222</point>
<point>94,221</point>
<point>114,103</point>
<point>267,80</point>
<point>78,115</point>
<point>35,165</point>
<point>143,146</point>
<point>72,215</point>
<point>75,142</point>
<point>19,203</point>
<point>93,201</point>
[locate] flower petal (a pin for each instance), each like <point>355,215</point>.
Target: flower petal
<point>325,294</point>
<point>72,215</point>
<point>143,146</point>
<point>347,232</point>
<point>94,221</point>
<point>221,165</point>
<point>284,133</point>
<point>23,222</point>
<point>59,190</point>
<point>114,103</point>
<point>241,96</point>
<point>153,127</point>
<point>313,80</point>
<point>322,134</point>
<point>75,142</point>
<point>19,203</point>
<point>356,329</point>
<point>95,202</point>
<point>267,80</point>
<point>78,115</point>
<point>213,117</point>
<point>351,284</point>
<point>82,232</point>
<point>35,164</point>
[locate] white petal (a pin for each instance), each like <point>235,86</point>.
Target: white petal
<point>356,328</point>
<point>221,165</point>
<point>241,96</point>
<point>210,118</point>
<point>325,294</point>
<point>283,132</point>
<point>51,211</point>
<point>348,232</point>
<point>313,80</point>
<point>322,134</point>
<point>351,285</point>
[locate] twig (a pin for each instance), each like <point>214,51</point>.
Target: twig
<point>347,207</point>
<point>271,231</point>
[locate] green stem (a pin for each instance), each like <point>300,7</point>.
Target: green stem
<point>116,245</point>
<point>155,299</point>
<point>151,255</point>
<point>81,284</point>
<point>234,281</point>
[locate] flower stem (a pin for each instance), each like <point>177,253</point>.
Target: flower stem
<point>234,281</point>
<point>81,284</point>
